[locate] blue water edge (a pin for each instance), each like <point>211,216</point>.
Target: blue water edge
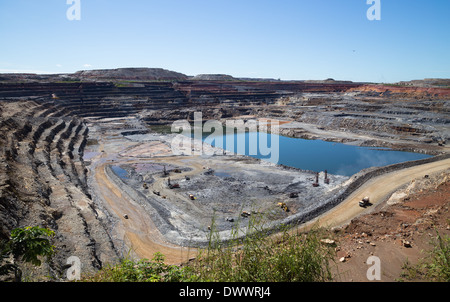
<point>314,155</point>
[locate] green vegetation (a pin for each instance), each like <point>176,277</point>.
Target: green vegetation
<point>254,258</point>
<point>140,271</point>
<point>435,266</point>
<point>284,258</point>
<point>161,129</point>
<point>25,244</point>
<point>439,267</point>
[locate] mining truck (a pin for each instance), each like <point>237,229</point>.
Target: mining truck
<point>364,202</point>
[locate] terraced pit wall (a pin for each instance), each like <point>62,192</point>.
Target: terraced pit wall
<point>106,99</point>
<point>43,182</point>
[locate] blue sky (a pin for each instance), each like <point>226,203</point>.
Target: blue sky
<point>290,39</point>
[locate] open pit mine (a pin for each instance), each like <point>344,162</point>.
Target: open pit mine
<point>88,155</point>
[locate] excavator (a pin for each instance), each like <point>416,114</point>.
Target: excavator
<point>283,206</point>
<point>172,186</point>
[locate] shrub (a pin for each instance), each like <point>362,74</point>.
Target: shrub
<point>289,257</point>
<point>143,270</point>
<point>25,244</point>
<point>439,266</point>
<point>286,257</point>
<point>435,266</point>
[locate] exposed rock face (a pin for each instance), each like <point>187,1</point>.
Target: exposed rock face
<point>436,83</point>
<point>43,182</point>
<point>397,91</point>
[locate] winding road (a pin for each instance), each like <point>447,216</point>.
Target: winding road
<point>378,189</point>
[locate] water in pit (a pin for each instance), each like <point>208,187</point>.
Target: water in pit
<point>314,155</point>
<point>119,171</point>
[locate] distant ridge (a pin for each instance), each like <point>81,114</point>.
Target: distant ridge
<point>145,74</point>
<point>214,77</point>
<point>160,74</point>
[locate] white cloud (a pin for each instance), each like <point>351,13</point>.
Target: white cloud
<point>87,65</point>
<point>58,65</point>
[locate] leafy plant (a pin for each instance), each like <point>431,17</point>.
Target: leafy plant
<point>143,270</point>
<point>25,244</point>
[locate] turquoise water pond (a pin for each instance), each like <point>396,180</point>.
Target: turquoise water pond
<point>315,155</point>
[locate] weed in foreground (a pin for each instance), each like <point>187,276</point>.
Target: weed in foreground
<point>251,255</point>
<point>257,257</point>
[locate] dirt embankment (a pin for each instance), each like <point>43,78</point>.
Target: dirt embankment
<point>400,231</point>
<point>378,188</point>
<point>402,91</point>
<point>377,184</point>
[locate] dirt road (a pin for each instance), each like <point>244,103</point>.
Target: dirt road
<point>137,230</point>
<point>378,189</point>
